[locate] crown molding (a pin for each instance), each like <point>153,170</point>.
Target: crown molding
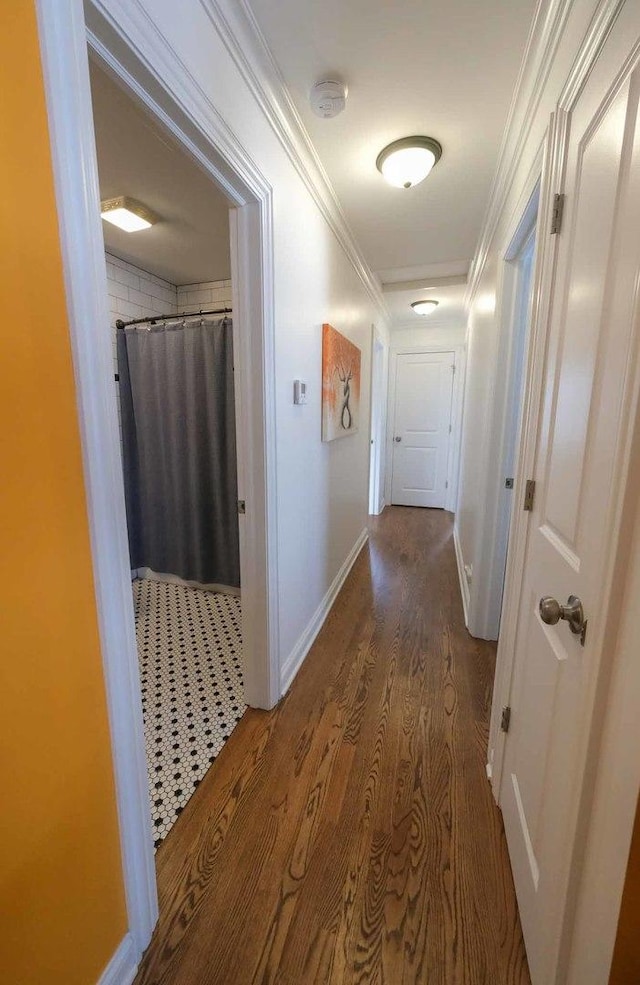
<point>429,324</point>
<point>424,284</point>
<point>241,35</point>
<point>546,33</point>
<point>425,271</point>
<point>544,37</point>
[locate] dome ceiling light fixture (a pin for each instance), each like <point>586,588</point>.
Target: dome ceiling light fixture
<point>424,307</point>
<point>408,161</point>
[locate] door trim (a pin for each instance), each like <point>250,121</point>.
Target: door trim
<point>377,415</point>
<point>154,75</point>
<point>453,461</point>
<point>487,589</point>
<point>548,169</point>
<point>604,740</point>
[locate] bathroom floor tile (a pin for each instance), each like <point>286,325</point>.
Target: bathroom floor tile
<point>190,652</point>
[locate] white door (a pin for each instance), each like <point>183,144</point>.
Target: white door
<point>580,455</point>
<point>422,418</point>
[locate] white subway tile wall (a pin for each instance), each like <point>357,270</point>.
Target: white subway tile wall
<point>135,293</point>
<point>212,294</point>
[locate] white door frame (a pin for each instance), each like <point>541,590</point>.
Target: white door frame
<point>541,175</point>
<point>610,731</point>
<point>156,78</point>
<point>453,460</point>
<point>486,591</point>
<point>377,456</point>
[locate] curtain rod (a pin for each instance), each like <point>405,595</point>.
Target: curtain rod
<point>185,314</point>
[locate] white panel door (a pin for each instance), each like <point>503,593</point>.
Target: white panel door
<point>580,449</point>
<point>422,417</point>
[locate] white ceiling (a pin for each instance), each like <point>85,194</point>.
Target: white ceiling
<point>136,158</point>
<point>444,68</point>
<point>450,310</point>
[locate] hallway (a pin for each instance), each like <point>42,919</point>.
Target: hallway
<point>350,835</point>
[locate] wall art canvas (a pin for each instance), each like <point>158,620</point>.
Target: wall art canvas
<point>340,385</point>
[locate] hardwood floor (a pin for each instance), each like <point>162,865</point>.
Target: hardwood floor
<point>350,836</point>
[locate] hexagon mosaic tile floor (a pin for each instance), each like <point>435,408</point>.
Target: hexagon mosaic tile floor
<point>190,650</point>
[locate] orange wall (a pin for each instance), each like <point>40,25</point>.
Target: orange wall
<point>625,969</point>
<point>63,912</point>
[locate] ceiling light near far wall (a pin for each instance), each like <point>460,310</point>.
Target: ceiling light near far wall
<point>408,161</point>
<point>127,214</point>
<point>424,307</point>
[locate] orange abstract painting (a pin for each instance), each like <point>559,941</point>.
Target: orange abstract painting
<point>340,385</point>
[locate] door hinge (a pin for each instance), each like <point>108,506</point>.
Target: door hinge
<point>446,485</point>
<point>506,718</point>
<point>449,429</point>
<point>453,369</point>
<point>508,483</point>
<point>529,495</point>
<point>556,215</point>
<point>242,506</point>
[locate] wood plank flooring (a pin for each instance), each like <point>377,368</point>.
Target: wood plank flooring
<point>350,836</point>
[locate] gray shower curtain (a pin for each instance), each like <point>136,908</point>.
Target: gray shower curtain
<point>179,448</point>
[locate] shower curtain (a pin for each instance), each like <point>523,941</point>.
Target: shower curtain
<point>179,449</point>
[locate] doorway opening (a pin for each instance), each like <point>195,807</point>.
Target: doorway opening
<point>518,288</point>
<point>516,299</point>
<point>378,424</point>
<point>173,101</point>
<point>171,307</point>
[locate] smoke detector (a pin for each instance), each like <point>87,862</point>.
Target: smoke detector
<point>328,98</point>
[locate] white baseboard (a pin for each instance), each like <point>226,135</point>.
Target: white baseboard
<point>464,588</point>
<point>293,662</point>
<point>123,967</point>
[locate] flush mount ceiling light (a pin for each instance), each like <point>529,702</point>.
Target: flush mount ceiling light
<point>408,161</point>
<point>127,213</point>
<point>424,307</point>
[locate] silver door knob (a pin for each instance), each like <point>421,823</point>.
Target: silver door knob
<point>551,612</point>
<point>398,438</point>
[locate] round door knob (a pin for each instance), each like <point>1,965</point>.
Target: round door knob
<point>397,438</point>
<point>551,612</point>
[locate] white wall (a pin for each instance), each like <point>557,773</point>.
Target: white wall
<point>435,334</point>
<point>322,492</point>
<point>485,393</point>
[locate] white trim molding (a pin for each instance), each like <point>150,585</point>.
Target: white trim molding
<point>123,966</point>
<point>552,170</point>
<point>66,77</point>
<point>606,775</point>
<point>238,28</point>
<point>543,41</point>
<point>464,585</point>
<point>546,34</point>
<point>148,67</point>
<point>294,661</point>
<point>490,550</point>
